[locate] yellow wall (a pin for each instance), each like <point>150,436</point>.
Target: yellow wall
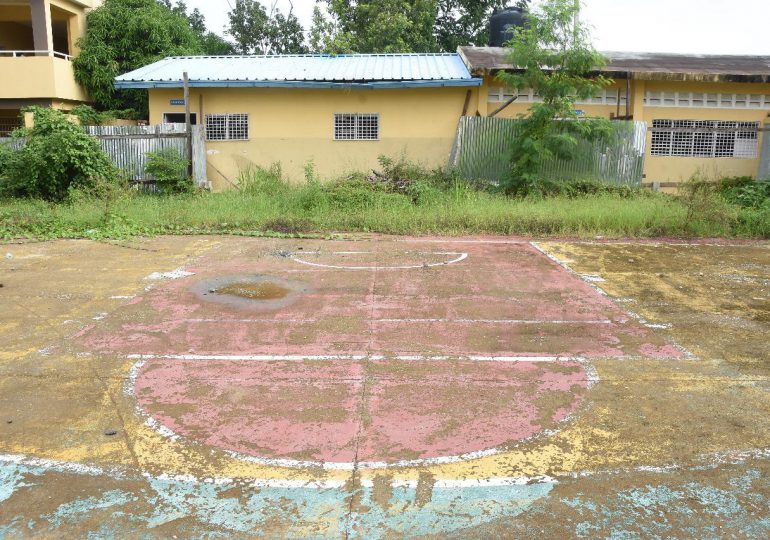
<point>678,169</point>
<point>41,77</point>
<point>668,169</point>
<point>295,126</point>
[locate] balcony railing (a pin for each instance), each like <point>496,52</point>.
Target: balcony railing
<point>25,54</point>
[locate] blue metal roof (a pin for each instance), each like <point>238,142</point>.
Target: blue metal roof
<point>304,71</point>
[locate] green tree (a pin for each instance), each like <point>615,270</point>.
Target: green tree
<point>403,25</point>
<point>464,22</point>
<point>322,32</point>
<point>124,35</point>
<point>555,57</point>
<point>256,31</point>
<point>210,43</point>
<point>383,26</point>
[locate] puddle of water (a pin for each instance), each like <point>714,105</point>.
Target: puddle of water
<point>264,290</point>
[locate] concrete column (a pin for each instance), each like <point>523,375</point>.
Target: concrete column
<point>42,29</point>
<point>482,103</point>
<point>764,163</point>
<point>637,100</point>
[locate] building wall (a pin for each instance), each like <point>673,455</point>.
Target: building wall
<point>657,168</point>
<point>39,77</point>
<point>296,126</point>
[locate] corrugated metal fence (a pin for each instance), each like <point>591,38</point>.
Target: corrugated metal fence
<point>128,147</point>
<point>482,152</point>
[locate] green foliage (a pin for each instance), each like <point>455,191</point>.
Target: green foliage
<point>322,32</point>
<point>210,43</point>
<point>555,59</point>
<point>169,170</point>
<point>124,35</point>
<point>746,192</point>
<point>421,202</point>
<point>88,116</point>
<point>704,203</point>
<point>381,26</point>
<point>256,31</point>
<point>464,22</point>
<point>53,157</point>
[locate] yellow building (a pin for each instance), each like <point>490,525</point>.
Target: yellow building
<point>706,114</point>
<point>338,113</point>
<point>37,43</point>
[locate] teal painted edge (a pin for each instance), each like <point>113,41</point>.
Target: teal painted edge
<point>138,85</point>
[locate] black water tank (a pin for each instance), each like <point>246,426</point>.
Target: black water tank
<point>503,23</point>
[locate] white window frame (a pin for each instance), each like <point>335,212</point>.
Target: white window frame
<point>193,115</point>
<point>705,139</point>
<point>356,126</point>
<point>707,100</point>
<point>226,130</point>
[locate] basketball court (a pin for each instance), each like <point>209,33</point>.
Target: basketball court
<point>365,388</point>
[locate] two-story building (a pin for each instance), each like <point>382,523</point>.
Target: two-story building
<point>38,39</point>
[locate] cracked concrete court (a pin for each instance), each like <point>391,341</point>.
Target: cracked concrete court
<point>384,387</point>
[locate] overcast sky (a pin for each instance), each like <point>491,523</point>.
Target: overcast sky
<point>679,26</point>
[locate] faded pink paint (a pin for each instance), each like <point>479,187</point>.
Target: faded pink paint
<point>344,314</point>
<point>379,411</point>
<point>343,411</point>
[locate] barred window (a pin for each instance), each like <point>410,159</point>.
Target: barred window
<point>356,127</point>
<point>7,125</point>
<point>705,138</point>
<point>227,127</point>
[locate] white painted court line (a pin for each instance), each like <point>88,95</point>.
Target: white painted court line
<point>357,358</point>
<point>119,472</point>
<point>410,321</point>
<point>592,378</point>
<point>459,257</point>
<point>592,280</point>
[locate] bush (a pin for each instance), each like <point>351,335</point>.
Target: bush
<point>52,157</point>
<point>169,170</point>
<point>701,197</point>
<point>746,192</point>
<point>89,116</point>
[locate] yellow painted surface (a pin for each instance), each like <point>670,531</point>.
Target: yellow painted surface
<point>42,77</point>
<point>296,126</point>
<point>678,169</point>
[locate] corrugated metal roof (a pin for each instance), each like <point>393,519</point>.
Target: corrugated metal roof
<point>648,66</point>
<point>370,70</point>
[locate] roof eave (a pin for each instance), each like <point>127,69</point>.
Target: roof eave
<point>374,85</point>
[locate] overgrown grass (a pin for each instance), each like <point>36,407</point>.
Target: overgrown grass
<point>431,205</point>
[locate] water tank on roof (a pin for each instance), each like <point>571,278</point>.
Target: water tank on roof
<point>503,23</point>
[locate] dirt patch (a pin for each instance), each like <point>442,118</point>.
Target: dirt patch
<point>251,292</point>
<point>265,290</point>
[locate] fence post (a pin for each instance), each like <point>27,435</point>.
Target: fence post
<point>188,124</point>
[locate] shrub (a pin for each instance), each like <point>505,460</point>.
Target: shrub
<point>52,157</point>
<point>258,180</point>
<point>746,192</point>
<point>169,170</point>
<point>701,197</point>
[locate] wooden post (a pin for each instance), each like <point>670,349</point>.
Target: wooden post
<point>188,124</point>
